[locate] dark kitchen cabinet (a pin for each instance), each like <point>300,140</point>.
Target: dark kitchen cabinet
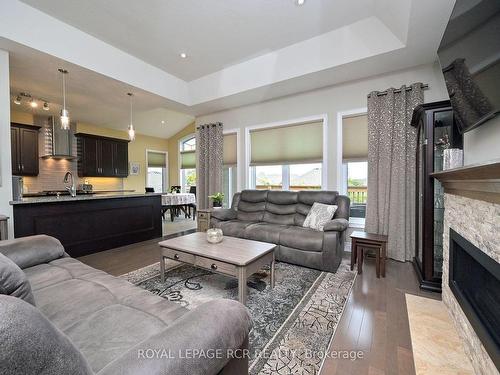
<point>102,156</point>
<point>436,131</point>
<point>24,149</point>
<point>120,158</point>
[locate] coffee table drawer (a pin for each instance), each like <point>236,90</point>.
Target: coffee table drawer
<point>178,255</point>
<point>215,265</point>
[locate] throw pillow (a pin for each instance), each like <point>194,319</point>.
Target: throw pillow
<point>13,281</point>
<point>319,215</point>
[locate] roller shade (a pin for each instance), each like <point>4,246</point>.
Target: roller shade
<point>355,137</point>
<point>156,159</point>
<point>294,144</point>
<point>230,149</point>
<point>188,159</point>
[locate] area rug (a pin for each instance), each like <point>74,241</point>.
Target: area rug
<point>293,323</point>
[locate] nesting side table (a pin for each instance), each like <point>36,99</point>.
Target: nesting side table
<point>369,241</point>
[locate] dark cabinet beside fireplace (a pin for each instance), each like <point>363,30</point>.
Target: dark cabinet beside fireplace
<point>436,131</point>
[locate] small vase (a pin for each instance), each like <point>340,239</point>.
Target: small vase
<point>214,235</point>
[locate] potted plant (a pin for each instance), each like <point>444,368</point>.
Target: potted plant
<point>217,199</point>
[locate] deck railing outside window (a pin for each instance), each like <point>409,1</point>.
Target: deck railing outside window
<point>357,194</point>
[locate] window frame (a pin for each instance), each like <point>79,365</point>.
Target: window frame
<point>250,177</point>
<point>165,172</point>
<point>182,173</point>
<point>285,175</point>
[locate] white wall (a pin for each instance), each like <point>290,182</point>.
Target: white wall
<point>483,144</point>
<point>5,160</point>
<point>329,101</point>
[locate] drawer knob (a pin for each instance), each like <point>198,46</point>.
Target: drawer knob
<point>213,266</point>
<point>176,257</point>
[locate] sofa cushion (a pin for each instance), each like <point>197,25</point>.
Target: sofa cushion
<point>33,345</point>
<point>251,205</point>
<point>264,232</point>
<point>307,198</point>
<point>302,238</point>
<point>104,316</point>
<point>13,281</point>
<point>234,228</point>
<point>319,215</point>
<point>29,251</point>
<point>281,207</point>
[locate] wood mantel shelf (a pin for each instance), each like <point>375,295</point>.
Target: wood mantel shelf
<point>479,181</point>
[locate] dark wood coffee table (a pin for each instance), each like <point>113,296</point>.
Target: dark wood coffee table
<point>366,241</point>
<point>233,256</point>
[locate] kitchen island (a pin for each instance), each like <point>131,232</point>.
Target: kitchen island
<point>87,223</point>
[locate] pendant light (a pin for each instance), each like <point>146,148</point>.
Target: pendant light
<point>64,111</point>
<point>131,130</point>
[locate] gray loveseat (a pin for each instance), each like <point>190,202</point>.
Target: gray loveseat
<point>277,217</point>
<point>59,316</point>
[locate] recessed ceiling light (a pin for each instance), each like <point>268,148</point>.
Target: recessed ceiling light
<point>17,100</point>
<point>183,55</point>
<point>162,121</point>
<point>300,2</point>
<point>33,103</point>
<point>46,106</point>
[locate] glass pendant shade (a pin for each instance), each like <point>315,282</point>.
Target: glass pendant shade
<point>64,119</point>
<point>131,132</point>
<point>64,112</point>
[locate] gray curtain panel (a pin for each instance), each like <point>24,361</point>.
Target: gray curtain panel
<point>391,168</point>
<point>209,145</point>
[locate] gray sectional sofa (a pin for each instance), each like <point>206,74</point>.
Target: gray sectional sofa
<point>277,217</point>
<point>60,316</point>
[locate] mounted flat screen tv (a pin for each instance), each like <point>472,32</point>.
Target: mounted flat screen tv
<point>470,58</point>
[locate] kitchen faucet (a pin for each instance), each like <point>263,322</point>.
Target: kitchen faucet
<point>72,188</point>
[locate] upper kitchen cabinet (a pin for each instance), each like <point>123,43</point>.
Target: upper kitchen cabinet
<point>102,156</point>
<point>24,147</point>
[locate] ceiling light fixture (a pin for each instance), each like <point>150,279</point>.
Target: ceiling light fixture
<point>17,100</point>
<point>183,55</point>
<point>162,121</point>
<point>64,111</point>
<point>131,130</point>
<point>300,2</point>
<point>46,106</point>
<point>33,103</point>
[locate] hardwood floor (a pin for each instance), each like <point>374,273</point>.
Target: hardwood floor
<point>128,258</point>
<point>374,321</point>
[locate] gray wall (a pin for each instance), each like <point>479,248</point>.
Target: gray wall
<point>483,143</point>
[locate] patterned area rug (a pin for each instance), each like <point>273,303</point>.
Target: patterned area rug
<point>293,323</point>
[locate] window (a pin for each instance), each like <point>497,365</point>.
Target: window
<point>357,180</point>
<point>268,177</point>
<point>187,148</point>
<point>287,177</point>
<point>156,176</point>
<point>287,157</point>
<point>305,176</point>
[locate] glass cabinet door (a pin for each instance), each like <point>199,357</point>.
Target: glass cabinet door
<point>443,128</point>
<point>420,191</point>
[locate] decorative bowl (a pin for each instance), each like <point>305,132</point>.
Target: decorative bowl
<point>214,235</point>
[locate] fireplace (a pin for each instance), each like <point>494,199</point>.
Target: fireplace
<point>474,279</point>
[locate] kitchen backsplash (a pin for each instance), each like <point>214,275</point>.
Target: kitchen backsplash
<point>52,171</point>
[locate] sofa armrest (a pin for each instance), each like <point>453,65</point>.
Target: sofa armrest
<point>338,225</point>
<point>30,251</point>
<point>201,341</point>
<point>224,214</point>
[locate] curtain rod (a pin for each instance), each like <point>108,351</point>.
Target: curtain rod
<point>425,86</point>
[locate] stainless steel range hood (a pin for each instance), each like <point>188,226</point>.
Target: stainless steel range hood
<point>58,143</point>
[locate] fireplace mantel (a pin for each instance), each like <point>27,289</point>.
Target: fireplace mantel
<point>479,181</point>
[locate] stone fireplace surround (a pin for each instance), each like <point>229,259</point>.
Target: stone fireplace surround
<point>472,209</point>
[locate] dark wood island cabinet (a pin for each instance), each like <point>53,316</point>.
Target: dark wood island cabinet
<point>89,224</point>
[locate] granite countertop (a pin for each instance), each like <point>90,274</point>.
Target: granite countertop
<point>83,197</point>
